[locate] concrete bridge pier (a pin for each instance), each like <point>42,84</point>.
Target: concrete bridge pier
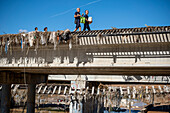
<point>7,78</point>
<point>31,98</point>
<point>6,98</point>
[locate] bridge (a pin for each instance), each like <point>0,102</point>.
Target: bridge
<point>28,58</point>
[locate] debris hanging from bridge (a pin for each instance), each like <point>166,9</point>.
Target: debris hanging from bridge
<point>34,39</point>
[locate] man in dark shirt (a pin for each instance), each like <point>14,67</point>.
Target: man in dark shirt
<point>86,24</point>
<point>77,19</point>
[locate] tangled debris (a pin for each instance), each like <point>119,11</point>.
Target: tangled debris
<point>33,39</point>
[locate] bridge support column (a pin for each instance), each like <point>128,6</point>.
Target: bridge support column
<point>31,98</point>
<point>8,78</point>
<point>6,98</point>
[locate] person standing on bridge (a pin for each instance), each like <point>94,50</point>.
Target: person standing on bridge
<point>45,29</point>
<point>77,19</point>
<point>86,24</point>
<point>36,29</point>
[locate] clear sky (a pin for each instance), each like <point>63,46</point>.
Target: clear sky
<point>58,14</point>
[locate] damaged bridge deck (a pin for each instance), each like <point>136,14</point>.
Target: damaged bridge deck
<point>128,51</point>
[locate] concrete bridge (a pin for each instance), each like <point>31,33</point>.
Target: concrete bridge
<point>30,57</point>
<point>134,48</point>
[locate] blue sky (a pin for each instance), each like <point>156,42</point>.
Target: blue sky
<point>27,14</point>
